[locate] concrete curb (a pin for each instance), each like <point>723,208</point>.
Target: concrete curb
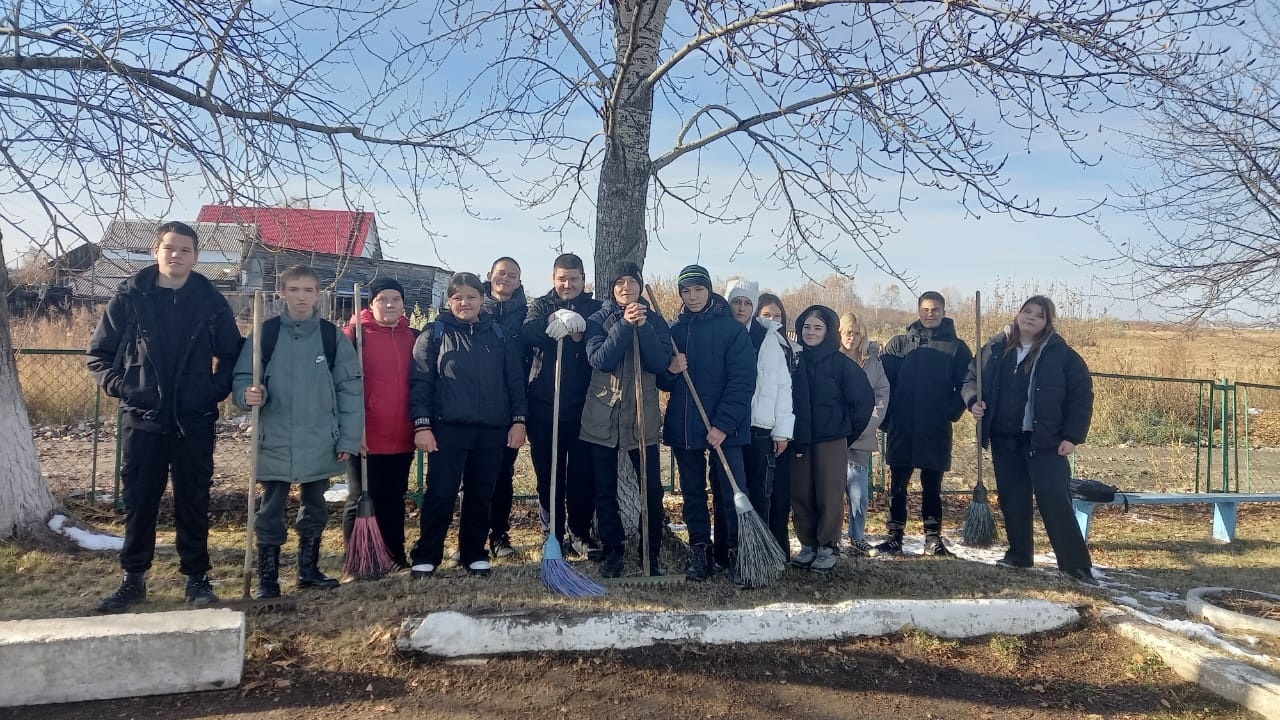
<point>1216,672</point>
<point>1229,619</point>
<point>74,659</point>
<point>453,634</point>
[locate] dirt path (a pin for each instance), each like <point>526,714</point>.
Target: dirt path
<point>1085,673</point>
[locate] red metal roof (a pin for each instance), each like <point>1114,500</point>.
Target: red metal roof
<point>338,232</point>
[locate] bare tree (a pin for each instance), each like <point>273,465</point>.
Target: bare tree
<point>808,125</point>
<point>109,108</point>
<point>1212,201</point>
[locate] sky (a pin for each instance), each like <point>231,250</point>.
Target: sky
<point>935,241</point>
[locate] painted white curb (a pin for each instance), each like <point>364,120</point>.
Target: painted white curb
<point>74,659</point>
<point>1229,619</point>
<point>454,634</point>
<point>1216,672</point>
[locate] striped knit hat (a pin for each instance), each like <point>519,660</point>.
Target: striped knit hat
<point>694,275</point>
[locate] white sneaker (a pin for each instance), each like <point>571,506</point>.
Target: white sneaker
<point>479,567</point>
<point>805,557</point>
<point>825,561</point>
<point>422,571</point>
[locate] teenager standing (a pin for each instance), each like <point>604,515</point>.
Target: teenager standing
<point>855,344</point>
<point>504,303</point>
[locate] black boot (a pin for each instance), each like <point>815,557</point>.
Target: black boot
<point>309,575</point>
<point>200,591</point>
<point>611,565</point>
<point>891,547</point>
<point>132,591</point>
<point>933,544</point>
<point>702,563</point>
<point>268,572</point>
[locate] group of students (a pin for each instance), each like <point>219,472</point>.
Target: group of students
<point>793,423</point>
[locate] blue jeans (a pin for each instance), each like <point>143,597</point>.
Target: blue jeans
<point>856,487</point>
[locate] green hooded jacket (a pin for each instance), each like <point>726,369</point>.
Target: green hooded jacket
<point>311,414</point>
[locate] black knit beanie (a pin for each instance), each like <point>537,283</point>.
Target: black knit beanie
<point>385,283</point>
<point>625,268</point>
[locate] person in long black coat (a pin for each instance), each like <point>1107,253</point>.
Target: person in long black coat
<point>1037,408</point>
<point>926,368</point>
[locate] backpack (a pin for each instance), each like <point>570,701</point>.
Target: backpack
<point>328,338</point>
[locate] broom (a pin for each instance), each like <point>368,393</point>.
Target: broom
<point>557,575</point>
<point>979,525</point>
<point>367,554</point>
<point>760,558</point>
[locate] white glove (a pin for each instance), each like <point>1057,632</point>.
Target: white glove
<point>556,329</point>
<point>572,320</point>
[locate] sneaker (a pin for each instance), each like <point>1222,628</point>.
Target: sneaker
<point>1084,576</point>
<point>479,568</point>
<point>891,547</point>
<point>500,546</point>
<point>824,560</point>
<point>200,591</point>
<point>422,571</point>
<point>859,548</point>
<point>572,549</point>
<point>1007,562</point>
<point>132,591</point>
<point>933,545</point>
<point>805,557</point>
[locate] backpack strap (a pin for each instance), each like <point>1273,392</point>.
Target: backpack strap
<point>328,338</point>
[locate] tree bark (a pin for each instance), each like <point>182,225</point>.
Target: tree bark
<point>25,500</point>
<point>625,174</point>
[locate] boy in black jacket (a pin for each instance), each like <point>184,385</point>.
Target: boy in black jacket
<point>560,317</point>
<point>166,347</point>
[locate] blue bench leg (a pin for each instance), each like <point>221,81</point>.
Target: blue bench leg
<point>1224,521</point>
<point>1084,513</point>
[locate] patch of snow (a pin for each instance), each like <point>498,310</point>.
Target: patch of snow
<point>336,493</point>
<point>1206,634</point>
<point>84,538</point>
<point>1133,603</point>
<point>1161,596</point>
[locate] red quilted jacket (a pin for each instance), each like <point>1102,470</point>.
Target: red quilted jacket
<point>388,358</point>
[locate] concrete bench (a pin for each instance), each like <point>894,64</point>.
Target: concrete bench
<point>96,658</point>
<point>1224,507</point>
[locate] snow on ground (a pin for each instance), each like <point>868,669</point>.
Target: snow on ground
<point>84,538</point>
<point>336,493</point>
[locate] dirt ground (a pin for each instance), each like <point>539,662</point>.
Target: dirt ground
<point>1083,673</point>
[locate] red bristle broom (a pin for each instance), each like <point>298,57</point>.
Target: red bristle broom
<point>367,554</point>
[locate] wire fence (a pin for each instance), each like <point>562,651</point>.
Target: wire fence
<point>1148,433</point>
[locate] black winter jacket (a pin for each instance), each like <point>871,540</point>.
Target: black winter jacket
<point>126,352</point>
<point>926,369</point>
<point>540,356</point>
<point>472,375</point>
<point>1062,407</point>
<point>509,313</point>
<point>832,397</point>
<point>723,367</point>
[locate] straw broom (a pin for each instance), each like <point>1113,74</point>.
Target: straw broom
<point>557,575</point>
<point>979,525</point>
<point>760,559</point>
<point>367,554</point>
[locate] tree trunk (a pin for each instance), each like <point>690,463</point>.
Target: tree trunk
<point>625,174</point>
<point>25,500</point>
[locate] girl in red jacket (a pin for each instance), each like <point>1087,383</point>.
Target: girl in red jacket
<point>387,347</point>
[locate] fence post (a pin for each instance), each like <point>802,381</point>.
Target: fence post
<point>1208,465</point>
<point>1248,447</point>
<point>1199,429</point>
<point>93,466</point>
<point>1226,439</point>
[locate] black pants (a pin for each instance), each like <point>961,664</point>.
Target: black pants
<point>1022,471</point>
<point>388,483</point>
<point>575,484</point>
<point>148,459</point>
<point>693,486</point>
<point>780,502</point>
<point>930,498</point>
<point>503,493</point>
<point>448,470</point>
<point>758,463</point>
<point>612,534</point>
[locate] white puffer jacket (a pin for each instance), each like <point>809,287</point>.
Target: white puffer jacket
<point>771,403</point>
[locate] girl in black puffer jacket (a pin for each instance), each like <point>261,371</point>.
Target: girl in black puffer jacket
<point>467,400</point>
<point>833,403</point>
<point>1038,404</point>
